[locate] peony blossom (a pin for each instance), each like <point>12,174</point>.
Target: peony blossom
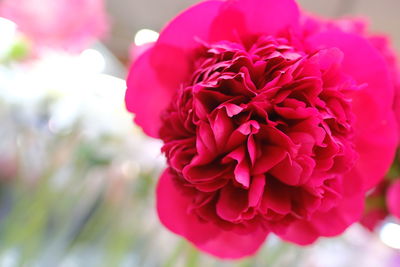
<point>272,122</point>
<point>58,24</point>
<point>393,199</point>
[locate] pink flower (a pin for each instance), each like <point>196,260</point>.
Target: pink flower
<point>59,24</point>
<point>393,199</point>
<point>269,126</point>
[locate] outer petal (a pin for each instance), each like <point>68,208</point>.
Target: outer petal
<point>330,223</point>
<point>174,52</point>
<point>247,17</point>
<point>146,97</point>
<point>158,73</point>
<point>301,233</point>
<point>375,127</point>
<point>393,199</point>
<point>373,218</point>
<point>338,219</point>
<point>172,205</point>
<point>229,245</point>
<point>192,25</point>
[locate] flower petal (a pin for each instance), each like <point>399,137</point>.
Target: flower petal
<point>229,245</point>
<point>145,96</point>
<point>248,17</point>
<point>328,224</point>
<point>338,219</point>
<point>158,73</point>
<point>173,205</point>
<point>301,233</point>
<point>192,25</point>
<point>393,199</point>
<point>375,126</point>
<point>232,202</point>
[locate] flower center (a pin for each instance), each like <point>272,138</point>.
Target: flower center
<point>261,132</point>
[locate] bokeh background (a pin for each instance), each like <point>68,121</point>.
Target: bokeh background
<point>77,177</point>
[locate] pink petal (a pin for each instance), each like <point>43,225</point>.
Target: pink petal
<point>287,171</point>
<point>159,72</point>
<point>245,17</point>
<point>232,203</point>
<point>330,223</point>
<point>393,199</point>
<point>372,219</point>
<point>256,190</point>
<point>192,25</point>
<point>338,219</point>
<point>375,126</point>
<point>301,233</point>
<point>145,96</point>
<point>229,245</point>
<point>172,206</point>
<point>382,140</point>
<point>276,197</point>
<point>242,171</point>
<point>271,156</point>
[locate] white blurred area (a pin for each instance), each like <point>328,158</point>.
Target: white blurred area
<point>390,235</point>
<point>145,36</point>
<point>88,86</point>
<point>8,31</point>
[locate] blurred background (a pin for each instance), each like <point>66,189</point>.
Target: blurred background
<point>77,177</point>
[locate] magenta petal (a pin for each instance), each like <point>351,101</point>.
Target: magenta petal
<point>382,140</point>
<point>375,126</point>
<point>256,190</point>
<point>242,171</point>
<point>276,197</point>
<point>173,205</point>
<point>157,74</point>
<point>327,224</point>
<point>363,63</point>
<point>330,223</point>
<point>301,233</point>
<point>229,245</point>
<point>190,26</point>
<point>145,96</point>
<point>336,220</point>
<point>247,17</point>
<point>232,202</point>
<point>393,199</point>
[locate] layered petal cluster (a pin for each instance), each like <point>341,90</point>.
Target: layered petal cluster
<point>58,24</point>
<point>269,124</point>
<point>359,26</point>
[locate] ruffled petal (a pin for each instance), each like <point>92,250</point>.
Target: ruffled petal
<point>375,126</point>
<point>173,205</point>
